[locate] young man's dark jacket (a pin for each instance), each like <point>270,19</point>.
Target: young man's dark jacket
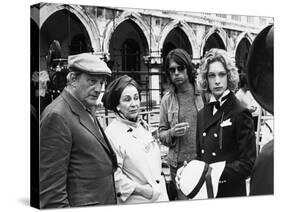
<point>229,136</point>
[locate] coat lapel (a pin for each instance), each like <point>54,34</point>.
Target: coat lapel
<point>208,116</point>
<point>108,145</point>
<point>84,118</point>
<point>225,110</point>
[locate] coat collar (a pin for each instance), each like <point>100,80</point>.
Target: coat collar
<point>213,99</point>
<point>84,117</point>
<point>130,124</point>
<point>225,111</point>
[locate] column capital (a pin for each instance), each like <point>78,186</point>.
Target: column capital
<point>105,56</point>
<point>152,60</point>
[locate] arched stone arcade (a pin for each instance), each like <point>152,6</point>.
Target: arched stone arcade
<point>214,38</point>
<point>91,27</point>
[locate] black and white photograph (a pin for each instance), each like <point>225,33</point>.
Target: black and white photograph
<point>132,107</point>
<point>142,106</point>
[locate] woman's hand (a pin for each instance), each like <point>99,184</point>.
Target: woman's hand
<point>144,190</point>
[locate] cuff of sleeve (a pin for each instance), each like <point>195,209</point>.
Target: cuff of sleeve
<point>172,139</point>
<point>123,196</point>
<point>156,191</point>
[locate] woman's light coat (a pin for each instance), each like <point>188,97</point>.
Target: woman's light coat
<point>139,161</point>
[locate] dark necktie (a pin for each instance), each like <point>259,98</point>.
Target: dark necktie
<point>216,104</point>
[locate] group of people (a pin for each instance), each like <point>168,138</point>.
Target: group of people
<point>82,164</point>
<point>220,130</point>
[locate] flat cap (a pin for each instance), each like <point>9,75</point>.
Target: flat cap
<point>88,63</point>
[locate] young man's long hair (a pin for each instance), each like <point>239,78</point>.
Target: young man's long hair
<point>220,55</point>
<point>182,58</point>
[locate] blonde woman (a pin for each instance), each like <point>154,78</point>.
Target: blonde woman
<point>225,129</point>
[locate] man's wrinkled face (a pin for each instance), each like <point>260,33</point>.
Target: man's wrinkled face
<point>88,88</point>
<point>129,103</point>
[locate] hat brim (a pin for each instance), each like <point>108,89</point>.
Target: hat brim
<point>187,179</point>
<point>97,72</point>
<point>260,68</point>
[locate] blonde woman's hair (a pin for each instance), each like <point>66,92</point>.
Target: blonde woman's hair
<point>218,55</point>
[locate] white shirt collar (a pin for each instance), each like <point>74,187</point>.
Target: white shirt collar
<point>213,99</point>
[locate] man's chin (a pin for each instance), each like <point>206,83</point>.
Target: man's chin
<point>178,82</point>
<point>91,103</point>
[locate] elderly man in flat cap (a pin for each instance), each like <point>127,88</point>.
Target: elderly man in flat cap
<point>77,162</point>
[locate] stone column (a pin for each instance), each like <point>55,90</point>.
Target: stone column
<point>154,64</point>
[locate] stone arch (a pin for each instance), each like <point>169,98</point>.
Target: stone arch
<point>186,29</point>
<point>220,32</point>
<point>136,18</point>
<point>242,48</point>
<point>47,10</point>
<point>242,35</point>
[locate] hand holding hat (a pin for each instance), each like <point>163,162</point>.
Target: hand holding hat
<point>179,174</point>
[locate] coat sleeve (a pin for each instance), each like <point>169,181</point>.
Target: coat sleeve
<point>244,134</point>
<point>123,184</point>
<point>55,147</point>
<point>164,127</point>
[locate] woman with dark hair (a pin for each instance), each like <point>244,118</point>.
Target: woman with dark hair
<point>138,178</point>
<point>178,113</point>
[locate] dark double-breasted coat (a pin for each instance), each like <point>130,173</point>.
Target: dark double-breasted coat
<point>228,136</point>
<point>262,178</point>
<point>77,163</point>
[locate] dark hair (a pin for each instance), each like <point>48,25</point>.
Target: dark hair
<point>112,94</point>
<point>181,57</point>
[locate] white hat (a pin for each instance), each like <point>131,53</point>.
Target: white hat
<point>88,63</point>
<point>199,180</point>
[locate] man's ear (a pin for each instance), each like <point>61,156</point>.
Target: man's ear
<point>73,78</point>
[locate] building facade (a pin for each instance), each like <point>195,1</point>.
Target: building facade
<point>136,41</point>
